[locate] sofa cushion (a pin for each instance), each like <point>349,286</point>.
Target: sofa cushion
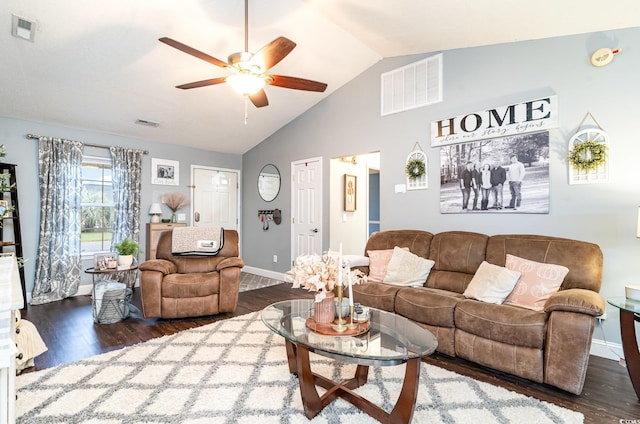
<point>428,306</point>
<point>190,285</point>
<point>504,323</point>
<point>377,295</point>
<point>417,241</point>
<point>378,263</point>
<point>537,283</point>
<point>407,269</point>
<point>457,256</point>
<point>583,259</point>
<point>491,283</point>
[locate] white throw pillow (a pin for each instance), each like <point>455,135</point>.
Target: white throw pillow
<point>356,260</point>
<point>353,260</point>
<point>491,283</point>
<point>407,269</point>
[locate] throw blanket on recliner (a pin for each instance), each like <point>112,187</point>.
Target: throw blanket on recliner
<point>197,240</point>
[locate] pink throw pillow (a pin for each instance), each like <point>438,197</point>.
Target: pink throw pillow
<point>537,283</point>
<point>378,263</point>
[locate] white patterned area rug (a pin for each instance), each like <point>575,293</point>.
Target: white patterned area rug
<point>235,371</point>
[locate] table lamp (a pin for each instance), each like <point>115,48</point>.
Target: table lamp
<point>155,211</point>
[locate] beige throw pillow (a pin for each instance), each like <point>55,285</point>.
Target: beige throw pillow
<point>407,269</point>
<point>378,262</point>
<point>491,283</point>
<point>538,282</point>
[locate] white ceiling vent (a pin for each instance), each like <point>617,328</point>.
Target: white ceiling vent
<point>23,28</point>
<point>412,86</point>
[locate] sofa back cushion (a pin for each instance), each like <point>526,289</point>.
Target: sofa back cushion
<point>197,264</point>
<point>417,241</point>
<point>457,256</point>
<point>583,259</point>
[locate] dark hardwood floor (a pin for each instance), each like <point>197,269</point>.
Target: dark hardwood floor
<point>68,330</point>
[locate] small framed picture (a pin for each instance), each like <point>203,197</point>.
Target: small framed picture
<point>165,172</point>
<point>103,261</point>
<point>350,192</point>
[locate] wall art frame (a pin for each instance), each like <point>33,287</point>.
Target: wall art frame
<point>350,192</point>
<point>487,176</point>
<point>165,172</point>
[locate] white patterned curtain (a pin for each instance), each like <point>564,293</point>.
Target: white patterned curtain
<point>127,177</point>
<point>58,265</point>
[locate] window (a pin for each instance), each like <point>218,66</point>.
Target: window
<point>96,205</point>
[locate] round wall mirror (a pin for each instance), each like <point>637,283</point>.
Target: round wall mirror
<point>269,183</point>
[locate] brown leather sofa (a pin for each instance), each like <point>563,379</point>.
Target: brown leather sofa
<point>190,286</point>
<point>551,346</point>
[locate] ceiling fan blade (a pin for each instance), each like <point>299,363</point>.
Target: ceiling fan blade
<point>297,83</point>
<point>193,52</point>
<point>259,99</point>
<point>203,83</point>
<point>272,53</point>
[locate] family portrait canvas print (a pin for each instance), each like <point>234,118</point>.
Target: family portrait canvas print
<point>499,175</point>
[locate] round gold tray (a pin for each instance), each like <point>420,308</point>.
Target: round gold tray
<point>329,329</point>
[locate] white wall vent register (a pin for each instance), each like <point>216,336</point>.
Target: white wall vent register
<point>415,85</point>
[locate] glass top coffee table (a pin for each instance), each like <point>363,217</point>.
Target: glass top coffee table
<point>390,340</point>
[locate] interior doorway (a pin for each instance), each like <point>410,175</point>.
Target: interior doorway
<point>351,226</point>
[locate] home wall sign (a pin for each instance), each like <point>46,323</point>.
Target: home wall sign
<point>518,118</point>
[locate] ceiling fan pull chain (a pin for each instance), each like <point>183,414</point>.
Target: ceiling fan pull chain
<point>246,109</point>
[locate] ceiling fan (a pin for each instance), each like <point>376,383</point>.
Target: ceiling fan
<point>248,70</point>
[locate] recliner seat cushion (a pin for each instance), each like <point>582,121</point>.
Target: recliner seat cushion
<point>428,306</point>
<point>190,285</point>
<point>377,295</point>
<point>503,323</point>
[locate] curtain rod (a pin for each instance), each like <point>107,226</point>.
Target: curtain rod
<point>99,146</point>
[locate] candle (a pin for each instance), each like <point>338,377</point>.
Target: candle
<point>350,286</point>
<point>340,266</point>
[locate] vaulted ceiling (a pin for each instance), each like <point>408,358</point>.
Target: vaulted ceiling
<point>100,66</point>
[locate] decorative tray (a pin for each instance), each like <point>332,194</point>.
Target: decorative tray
<point>329,328</point>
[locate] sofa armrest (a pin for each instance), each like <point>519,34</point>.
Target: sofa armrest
<point>576,300</point>
<point>230,262</point>
<point>160,265</point>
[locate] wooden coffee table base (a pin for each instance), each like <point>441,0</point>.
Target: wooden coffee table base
<point>299,364</point>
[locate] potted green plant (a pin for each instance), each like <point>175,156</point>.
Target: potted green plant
<point>126,249</point>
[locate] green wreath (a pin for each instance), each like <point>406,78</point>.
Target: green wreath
<point>415,168</point>
<point>580,160</point>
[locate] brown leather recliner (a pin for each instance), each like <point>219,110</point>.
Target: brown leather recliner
<point>175,286</point>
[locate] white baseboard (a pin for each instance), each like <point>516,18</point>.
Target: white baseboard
<point>264,273</point>
<point>607,350</point>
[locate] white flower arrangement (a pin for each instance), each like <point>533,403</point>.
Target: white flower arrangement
<point>320,274</point>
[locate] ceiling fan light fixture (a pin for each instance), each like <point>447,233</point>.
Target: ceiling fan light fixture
<point>245,84</point>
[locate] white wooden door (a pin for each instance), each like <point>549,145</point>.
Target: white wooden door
<point>215,198</point>
<point>306,207</point>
